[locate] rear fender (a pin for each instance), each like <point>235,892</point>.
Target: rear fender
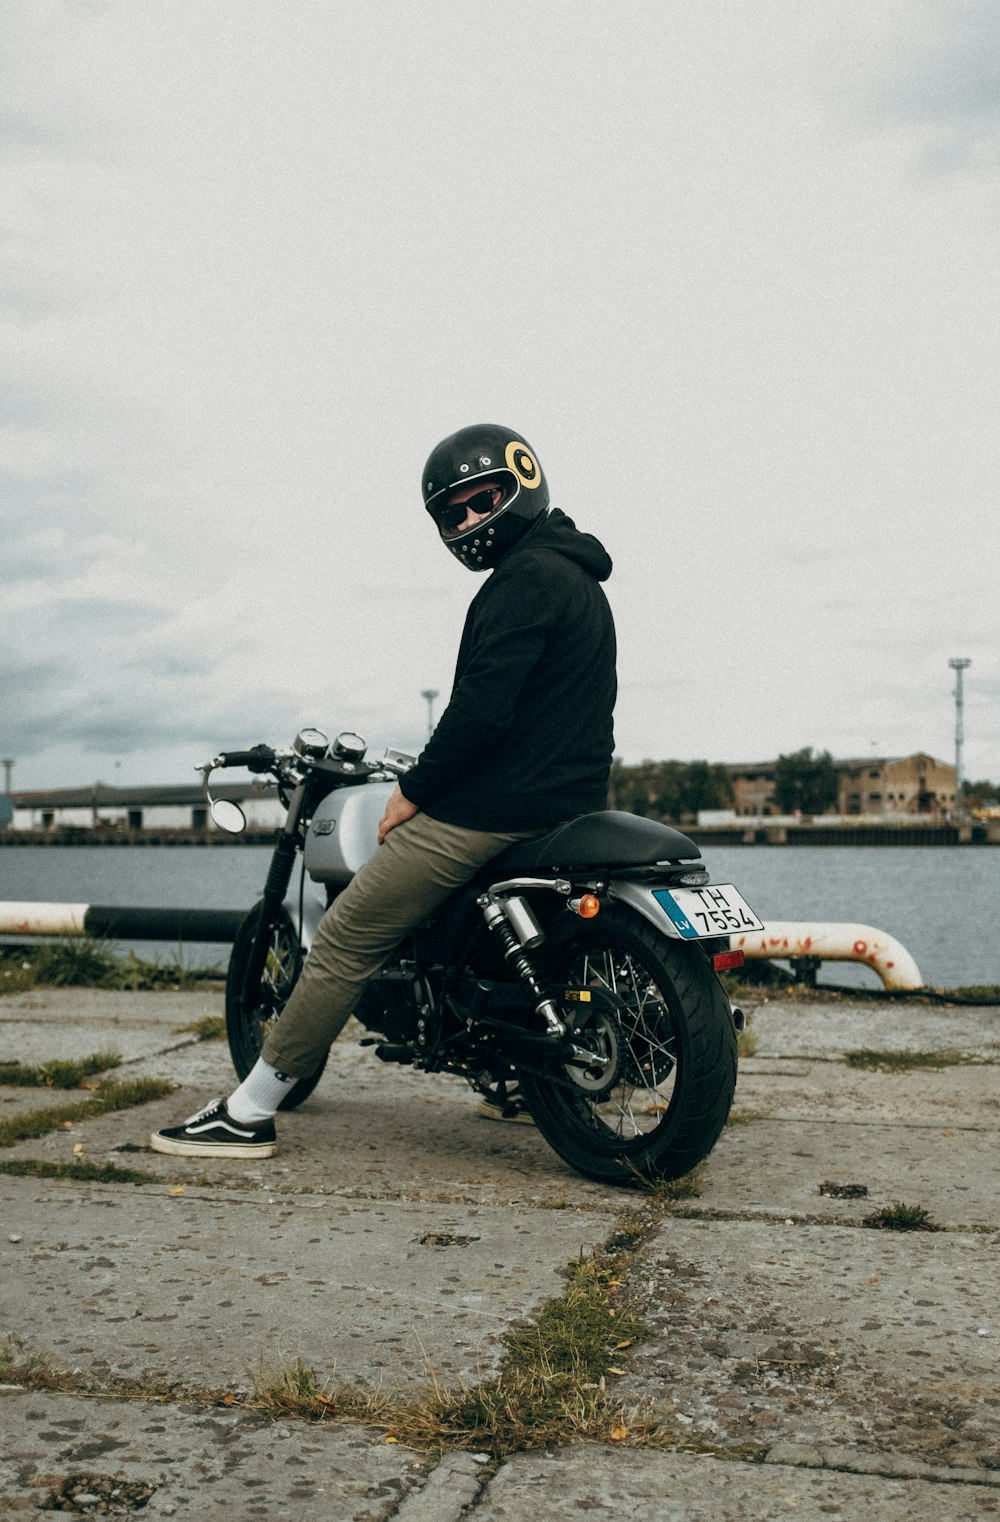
<point>639,896</point>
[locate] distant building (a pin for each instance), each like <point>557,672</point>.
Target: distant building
<point>870,785</point>
<point>98,807</point>
<point>915,784</point>
<point>753,789</point>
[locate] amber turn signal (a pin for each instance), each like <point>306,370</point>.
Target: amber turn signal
<point>587,906</point>
<point>723,960</point>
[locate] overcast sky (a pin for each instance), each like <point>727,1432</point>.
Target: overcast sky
<point>730,268</point>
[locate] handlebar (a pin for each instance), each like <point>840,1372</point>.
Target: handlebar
<point>264,758</point>
<point>260,758</point>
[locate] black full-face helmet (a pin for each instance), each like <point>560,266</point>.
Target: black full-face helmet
<point>495,473</point>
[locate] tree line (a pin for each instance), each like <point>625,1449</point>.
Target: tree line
<point>804,782</point>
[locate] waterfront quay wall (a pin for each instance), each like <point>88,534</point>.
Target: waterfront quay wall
<point>755,833</point>
<point>82,836</point>
<point>966,833</point>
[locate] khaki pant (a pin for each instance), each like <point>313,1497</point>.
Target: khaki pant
<point>417,867</point>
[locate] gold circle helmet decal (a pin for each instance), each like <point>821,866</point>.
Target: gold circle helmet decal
<point>523,463</point>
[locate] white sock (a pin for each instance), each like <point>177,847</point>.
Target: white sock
<point>260,1093</point>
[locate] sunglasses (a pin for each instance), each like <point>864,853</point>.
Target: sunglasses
<point>451,514</point>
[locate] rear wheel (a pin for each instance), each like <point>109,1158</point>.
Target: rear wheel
<point>254,1001</point>
<point>650,1010</point>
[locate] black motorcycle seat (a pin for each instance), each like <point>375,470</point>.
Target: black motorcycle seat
<point>607,839</point>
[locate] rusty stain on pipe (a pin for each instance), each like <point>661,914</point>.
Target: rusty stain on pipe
<point>834,943</point>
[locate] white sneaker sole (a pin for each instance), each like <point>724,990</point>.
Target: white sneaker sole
<point>211,1149</point>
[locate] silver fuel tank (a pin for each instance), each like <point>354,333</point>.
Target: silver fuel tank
<point>344,831</point>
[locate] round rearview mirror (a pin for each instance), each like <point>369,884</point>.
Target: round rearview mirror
<point>228,816</point>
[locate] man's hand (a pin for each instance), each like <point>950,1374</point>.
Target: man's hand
<point>397,811</point>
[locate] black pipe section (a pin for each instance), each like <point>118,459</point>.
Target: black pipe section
<point>163,924</point>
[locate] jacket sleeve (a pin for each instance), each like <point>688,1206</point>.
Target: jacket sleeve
<point>509,637</point>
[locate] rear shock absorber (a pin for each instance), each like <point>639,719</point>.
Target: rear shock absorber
<point>515,951</point>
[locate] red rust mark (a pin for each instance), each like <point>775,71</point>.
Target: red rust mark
<point>807,943</point>
<point>890,964</point>
<point>860,948</point>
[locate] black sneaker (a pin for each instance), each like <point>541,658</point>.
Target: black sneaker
<point>214,1133</point>
<point>504,1101</point>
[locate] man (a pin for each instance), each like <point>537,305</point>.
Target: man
<point>524,743</point>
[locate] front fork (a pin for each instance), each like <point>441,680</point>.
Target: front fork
<point>279,876</point>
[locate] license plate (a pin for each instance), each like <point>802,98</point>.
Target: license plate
<point>718,909</point>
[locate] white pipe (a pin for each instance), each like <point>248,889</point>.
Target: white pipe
<point>834,943</point>
<point>42,919</point>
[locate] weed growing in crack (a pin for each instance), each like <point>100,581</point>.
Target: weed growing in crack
<point>80,1168</point>
<point>57,1075</point>
<point>904,1062</point>
<point>745,1117</point>
<point>668,1191</point>
<point>208,1028</point>
<point>900,1217</point>
<point>109,1095</point>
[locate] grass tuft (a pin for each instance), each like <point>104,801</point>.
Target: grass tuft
<point>667,1191</point>
<point>208,1028</point>
<point>747,1041</point>
<point>96,1173</point>
<point>57,1075</point>
<point>900,1217</point>
<point>88,962</point>
<point>108,1096</point>
<point>904,1062</point>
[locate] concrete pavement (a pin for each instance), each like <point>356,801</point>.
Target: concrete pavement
<point>798,1362</point>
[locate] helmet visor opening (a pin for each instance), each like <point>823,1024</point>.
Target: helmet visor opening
<point>450,516</point>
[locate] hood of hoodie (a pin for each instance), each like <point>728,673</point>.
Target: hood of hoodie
<point>558,532</point>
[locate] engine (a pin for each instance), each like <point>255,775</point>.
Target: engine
<point>390,1002</point>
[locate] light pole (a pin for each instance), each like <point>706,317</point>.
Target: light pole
<point>8,766</point>
<point>958,664</point>
<point>429,694</point>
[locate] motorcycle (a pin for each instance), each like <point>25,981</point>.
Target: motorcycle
<point>583,964</point>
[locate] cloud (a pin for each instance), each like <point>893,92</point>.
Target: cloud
<point>944,83</point>
<point>753,357</point>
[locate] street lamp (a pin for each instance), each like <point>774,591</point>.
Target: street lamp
<point>429,694</point>
<point>8,766</point>
<point>958,664</point>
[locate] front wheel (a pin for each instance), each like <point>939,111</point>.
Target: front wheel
<point>255,999</point>
<point>653,1014</point>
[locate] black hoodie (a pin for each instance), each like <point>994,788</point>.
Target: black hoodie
<point>526,739</point>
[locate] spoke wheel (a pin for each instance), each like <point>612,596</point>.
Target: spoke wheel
<point>253,1006</point>
<point>671,1062</point>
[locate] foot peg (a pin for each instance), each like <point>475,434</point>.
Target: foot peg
<point>399,1052</point>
